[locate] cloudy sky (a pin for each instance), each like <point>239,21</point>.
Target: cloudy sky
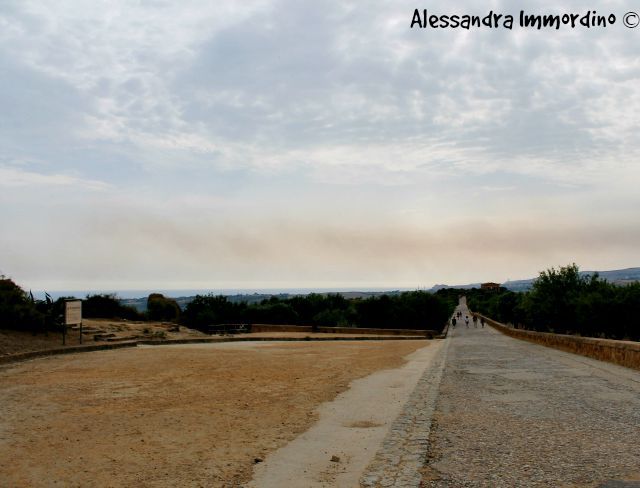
<point>268,144</point>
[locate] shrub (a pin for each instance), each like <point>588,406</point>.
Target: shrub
<point>107,306</point>
<point>161,308</point>
<point>17,309</point>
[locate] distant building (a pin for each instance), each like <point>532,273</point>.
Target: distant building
<point>490,286</point>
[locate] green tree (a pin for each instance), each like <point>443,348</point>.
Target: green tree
<point>161,308</point>
<point>107,306</point>
<point>207,310</point>
<point>18,309</point>
<point>552,300</point>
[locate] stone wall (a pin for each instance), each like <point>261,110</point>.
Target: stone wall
<point>66,350</point>
<point>624,353</point>
<point>342,330</point>
<point>279,328</point>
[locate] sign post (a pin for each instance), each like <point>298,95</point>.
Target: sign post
<point>72,316</point>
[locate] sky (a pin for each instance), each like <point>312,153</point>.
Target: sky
<point>278,144</point>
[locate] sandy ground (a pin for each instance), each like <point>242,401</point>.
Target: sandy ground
<point>193,415</point>
<point>337,449</point>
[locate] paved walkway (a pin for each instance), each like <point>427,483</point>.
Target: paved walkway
<point>514,414</point>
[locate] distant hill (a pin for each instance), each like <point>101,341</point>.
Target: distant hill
<point>619,275</point>
<point>140,304</point>
<point>519,285</point>
<point>616,276</point>
<point>459,287</point>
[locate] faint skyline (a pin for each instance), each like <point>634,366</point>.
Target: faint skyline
<point>281,144</point>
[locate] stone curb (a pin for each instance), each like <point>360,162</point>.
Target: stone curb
<point>279,339</point>
<point>23,356</point>
<point>404,450</point>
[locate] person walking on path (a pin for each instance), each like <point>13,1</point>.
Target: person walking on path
<point>453,322</point>
<point>466,321</point>
<point>475,321</point>
<point>482,322</point>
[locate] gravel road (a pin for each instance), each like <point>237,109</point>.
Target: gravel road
<point>511,414</point>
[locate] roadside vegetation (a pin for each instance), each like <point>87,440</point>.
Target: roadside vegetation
<point>561,301</point>
<point>19,310</point>
<point>564,302</point>
<point>409,310</point>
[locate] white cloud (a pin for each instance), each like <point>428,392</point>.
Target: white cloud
<point>15,177</point>
<point>336,110</point>
<point>249,85</point>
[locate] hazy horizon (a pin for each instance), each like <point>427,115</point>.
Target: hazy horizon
<point>186,292</point>
<point>173,293</point>
<point>276,144</point>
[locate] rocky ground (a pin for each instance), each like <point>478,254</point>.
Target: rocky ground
<point>95,331</point>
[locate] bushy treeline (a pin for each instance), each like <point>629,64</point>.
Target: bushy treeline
<point>566,302</point>
<point>107,306</point>
<point>20,311</point>
<point>410,310</point>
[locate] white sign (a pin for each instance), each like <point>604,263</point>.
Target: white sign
<point>73,312</point>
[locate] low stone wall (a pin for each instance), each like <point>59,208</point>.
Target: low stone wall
<point>392,332</point>
<point>279,328</point>
<point>443,334</point>
<point>11,358</point>
<point>624,353</point>
<point>366,335</point>
<point>343,330</point>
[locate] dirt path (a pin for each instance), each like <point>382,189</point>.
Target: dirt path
<point>193,415</point>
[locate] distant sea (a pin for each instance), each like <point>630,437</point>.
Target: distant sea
<point>618,276</point>
<point>39,294</point>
